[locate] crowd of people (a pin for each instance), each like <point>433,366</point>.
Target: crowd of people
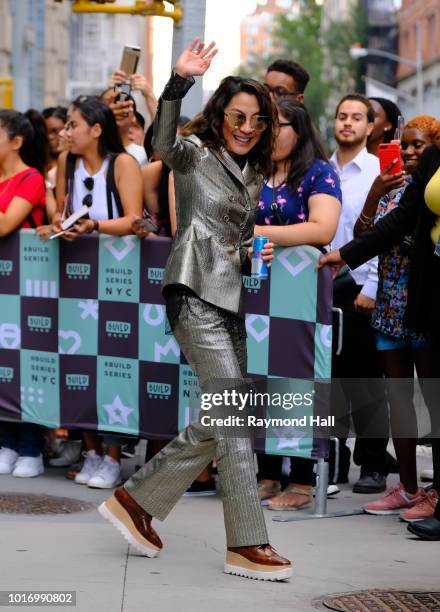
<point>256,143</point>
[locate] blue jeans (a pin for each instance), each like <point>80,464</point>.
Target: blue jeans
<point>24,438</point>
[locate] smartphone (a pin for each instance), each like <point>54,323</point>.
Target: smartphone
<point>130,59</point>
<point>387,153</point>
<point>124,92</point>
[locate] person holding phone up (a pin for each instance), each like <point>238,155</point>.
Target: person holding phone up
<point>418,212</point>
<point>400,348</point>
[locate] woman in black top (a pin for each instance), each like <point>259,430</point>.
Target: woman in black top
<point>424,287</point>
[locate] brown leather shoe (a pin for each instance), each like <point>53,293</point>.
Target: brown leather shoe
<point>132,521</point>
<point>258,562</point>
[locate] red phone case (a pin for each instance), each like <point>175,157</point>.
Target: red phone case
<point>387,153</point>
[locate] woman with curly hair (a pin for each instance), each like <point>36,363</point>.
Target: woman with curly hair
<point>218,164</point>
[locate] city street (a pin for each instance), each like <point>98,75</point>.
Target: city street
<point>83,553</point>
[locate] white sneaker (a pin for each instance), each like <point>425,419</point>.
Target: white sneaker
<point>8,457</point>
<point>107,476</point>
<point>28,467</point>
<point>92,462</point>
<point>332,489</point>
<point>70,453</point>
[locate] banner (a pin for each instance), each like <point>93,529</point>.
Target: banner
<point>83,342</point>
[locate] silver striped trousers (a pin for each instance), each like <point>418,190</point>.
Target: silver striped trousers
<point>214,350</point>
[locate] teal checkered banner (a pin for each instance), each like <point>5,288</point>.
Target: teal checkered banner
<point>83,340</point>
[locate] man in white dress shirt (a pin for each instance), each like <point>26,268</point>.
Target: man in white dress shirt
<point>355,293</point>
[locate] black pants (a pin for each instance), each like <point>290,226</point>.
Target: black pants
<point>361,392</point>
<point>301,470</point>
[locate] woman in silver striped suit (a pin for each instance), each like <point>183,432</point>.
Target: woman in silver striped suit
<point>218,165</point>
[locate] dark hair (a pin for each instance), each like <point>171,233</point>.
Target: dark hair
<point>308,147</point>
<point>140,119</point>
<point>392,113</point>
<point>94,110</point>
<point>358,98</point>
<point>208,125</point>
<point>182,121</point>
<point>31,126</point>
<point>59,112</point>
<point>148,141</point>
<point>298,73</point>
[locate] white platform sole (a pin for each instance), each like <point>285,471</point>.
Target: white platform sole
<point>126,533</point>
<point>236,570</point>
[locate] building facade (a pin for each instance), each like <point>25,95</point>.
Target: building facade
<point>419,23</point>
<point>96,44</point>
<point>34,48</point>
<point>257,29</point>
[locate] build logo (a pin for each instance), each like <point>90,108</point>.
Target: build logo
<point>155,275</point>
<point>6,267</point>
<point>6,374</point>
<point>78,271</point>
<point>38,323</point>
<point>158,390</point>
<point>77,382</point>
<point>118,329</point>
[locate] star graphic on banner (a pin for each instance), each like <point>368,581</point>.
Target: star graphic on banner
<point>117,412</point>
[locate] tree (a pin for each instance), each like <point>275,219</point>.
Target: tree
<point>324,54</point>
<point>299,39</point>
<point>338,39</point>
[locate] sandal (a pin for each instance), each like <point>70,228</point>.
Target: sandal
<point>267,491</point>
<point>308,493</point>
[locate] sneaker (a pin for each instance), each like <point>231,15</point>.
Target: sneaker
<point>28,467</point>
<point>423,510</point>
<point>92,462</point>
<point>201,489</point>
<point>8,457</point>
<point>332,489</point>
<point>128,450</point>
<point>107,476</point>
<point>395,500</point>
<point>370,482</point>
<point>427,475</point>
<point>70,453</point>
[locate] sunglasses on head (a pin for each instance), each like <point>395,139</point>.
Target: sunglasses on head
<point>88,184</point>
<point>236,120</point>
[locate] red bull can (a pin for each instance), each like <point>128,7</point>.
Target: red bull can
<point>259,266</point>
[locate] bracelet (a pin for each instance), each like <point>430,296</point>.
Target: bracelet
<point>365,219</point>
<point>95,227</point>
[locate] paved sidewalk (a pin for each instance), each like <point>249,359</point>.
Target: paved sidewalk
<point>82,552</point>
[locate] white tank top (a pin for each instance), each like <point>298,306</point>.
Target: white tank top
<point>98,210</point>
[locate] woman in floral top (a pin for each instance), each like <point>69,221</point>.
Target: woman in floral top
<point>401,349</point>
<point>299,205</point>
